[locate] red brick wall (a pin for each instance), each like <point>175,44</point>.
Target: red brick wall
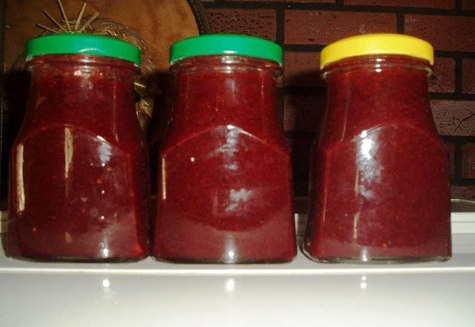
<point>304,27</point>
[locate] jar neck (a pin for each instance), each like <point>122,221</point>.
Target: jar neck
<point>371,90</point>
<point>225,90</point>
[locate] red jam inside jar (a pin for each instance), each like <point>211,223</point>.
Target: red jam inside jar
<point>224,187</point>
<point>379,185</point>
<point>78,178</point>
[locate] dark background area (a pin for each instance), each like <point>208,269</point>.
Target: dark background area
<point>304,27</point>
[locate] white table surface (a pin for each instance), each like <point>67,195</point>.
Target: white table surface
<point>303,293</point>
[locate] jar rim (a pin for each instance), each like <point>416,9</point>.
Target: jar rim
<point>226,44</point>
<point>82,44</point>
<point>377,44</point>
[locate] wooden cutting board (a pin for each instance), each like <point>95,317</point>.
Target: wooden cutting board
<point>158,22</point>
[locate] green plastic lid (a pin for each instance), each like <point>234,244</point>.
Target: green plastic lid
<point>225,44</point>
<point>87,44</point>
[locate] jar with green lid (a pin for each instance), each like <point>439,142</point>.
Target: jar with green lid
<point>379,184</point>
<point>79,187</point>
<point>224,186</point>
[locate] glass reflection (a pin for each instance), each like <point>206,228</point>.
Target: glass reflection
<point>230,285</point>
<point>364,255</point>
<point>368,168</point>
<point>105,248</point>
<point>364,283</point>
<point>108,292</point>
<point>230,254</point>
<point>106,283</point>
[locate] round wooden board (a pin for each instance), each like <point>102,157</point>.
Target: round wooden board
<point>153,25</point>
<point>158,22</point>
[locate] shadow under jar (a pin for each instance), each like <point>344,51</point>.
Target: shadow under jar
<point>224,186</point>
<point>79,186</point>
<point>379,185</point>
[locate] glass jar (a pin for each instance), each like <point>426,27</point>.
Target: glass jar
<point>224,187</point>
<point>79,186</point>
<point>379,185</point>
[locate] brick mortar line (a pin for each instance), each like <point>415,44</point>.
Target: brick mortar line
<point>341,8</point>
<point>452,96</point>
<point>411,10</point>
<point>280,26</point>
<point>320,91</point>
<point>455,54</point>
<point>458,159</point>
<point>455,139</point>
<point>303,47</point>
<point>462,182</point>
<point>459,77</point>
<point>319,47</point>
<point>400,23</point>
<point>242,5</point>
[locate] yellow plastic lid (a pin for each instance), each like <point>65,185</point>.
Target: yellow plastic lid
<point>374,44</point>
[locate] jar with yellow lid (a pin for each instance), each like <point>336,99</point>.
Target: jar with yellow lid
<point>379,182</point>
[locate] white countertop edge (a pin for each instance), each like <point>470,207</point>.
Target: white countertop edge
<point>242,272</point>
<point>300,266</point>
